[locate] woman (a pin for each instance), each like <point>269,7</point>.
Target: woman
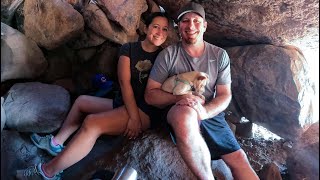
<point>128,115</point>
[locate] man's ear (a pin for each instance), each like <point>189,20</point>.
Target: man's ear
<point>205,25</point>
<point>179,29</point>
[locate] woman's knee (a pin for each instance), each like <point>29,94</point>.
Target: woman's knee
<point>89,125</point>
<point>82,99</point>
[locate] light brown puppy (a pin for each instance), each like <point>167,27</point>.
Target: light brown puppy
<point>193,82</point>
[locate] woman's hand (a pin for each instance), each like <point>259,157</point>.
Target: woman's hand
<point>133,128</point>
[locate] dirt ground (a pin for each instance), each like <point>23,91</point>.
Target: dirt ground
<point>265,147</point>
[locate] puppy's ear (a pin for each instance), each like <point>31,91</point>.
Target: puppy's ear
<point>201,77</point>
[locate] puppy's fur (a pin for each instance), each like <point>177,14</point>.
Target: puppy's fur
<point>193,82</point>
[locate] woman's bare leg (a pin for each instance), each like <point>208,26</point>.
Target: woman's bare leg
<point>112,122</point>
<point>83,105</point>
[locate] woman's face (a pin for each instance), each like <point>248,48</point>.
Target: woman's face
<point>157,31</point>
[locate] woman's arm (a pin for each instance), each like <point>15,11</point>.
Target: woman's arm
<point>124,76</point>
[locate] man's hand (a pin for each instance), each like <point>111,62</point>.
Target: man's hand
<point>201,110</point>
<point>196,103</point>
<point>133,128</point>
<point>189,99</point>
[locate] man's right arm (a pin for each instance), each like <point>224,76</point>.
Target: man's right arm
<point>156,97</point>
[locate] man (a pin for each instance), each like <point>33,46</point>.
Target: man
<point>199,127</point>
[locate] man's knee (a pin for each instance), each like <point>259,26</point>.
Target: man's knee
<point>184,123</point>
<point>180,115</point>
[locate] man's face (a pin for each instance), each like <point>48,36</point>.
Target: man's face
<point>192,27</point>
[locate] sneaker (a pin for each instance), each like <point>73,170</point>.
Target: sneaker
<point>46,144</point>
<point>34,173</point>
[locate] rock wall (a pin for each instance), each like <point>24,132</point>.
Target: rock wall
<point>243,22</point>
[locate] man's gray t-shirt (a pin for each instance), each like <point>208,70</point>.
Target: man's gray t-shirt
<point>175,60</point>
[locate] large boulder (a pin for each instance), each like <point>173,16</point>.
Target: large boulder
<point>87,38</point>
<point>98,21</point>
<point>36,107</point>
<point>272,87</point>
<point>123,13</point>
<point>51,23</point>
<point>303,159</point>
<point>20,56</point>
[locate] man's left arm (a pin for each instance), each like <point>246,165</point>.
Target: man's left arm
<point>223,88</point>
<point>220,102</point>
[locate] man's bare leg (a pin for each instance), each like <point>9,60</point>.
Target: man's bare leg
<point>190,143</point>
<point>240,166</point>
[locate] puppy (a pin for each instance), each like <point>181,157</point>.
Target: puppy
<point>193,82</point>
